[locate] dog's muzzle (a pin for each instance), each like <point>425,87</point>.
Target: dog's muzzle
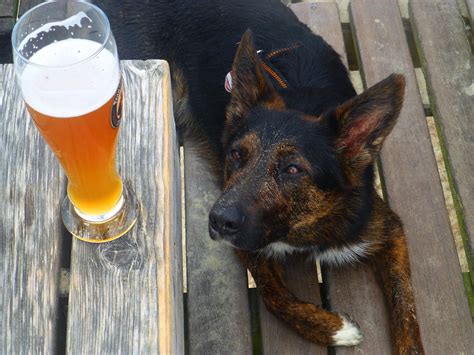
<point>225,222</point>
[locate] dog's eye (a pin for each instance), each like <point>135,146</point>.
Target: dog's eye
<point>235,155</point>
<point>292,169</point>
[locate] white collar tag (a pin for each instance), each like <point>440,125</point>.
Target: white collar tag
<point>228,82</point>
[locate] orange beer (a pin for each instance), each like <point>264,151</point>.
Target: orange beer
<point>85,146</point>
<point>77,109</point>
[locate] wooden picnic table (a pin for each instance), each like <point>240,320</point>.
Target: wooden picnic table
<point>125,296</point>
<point>133,295</point>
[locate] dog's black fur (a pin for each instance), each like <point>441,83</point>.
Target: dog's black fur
<point>201,39</point>
<point>296,162</point>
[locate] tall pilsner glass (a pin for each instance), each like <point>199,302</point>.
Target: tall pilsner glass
<point>67,67</point>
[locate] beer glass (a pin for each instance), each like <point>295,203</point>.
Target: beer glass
<point>67,67</point>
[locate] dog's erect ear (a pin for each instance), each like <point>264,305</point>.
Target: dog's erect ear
<point>366,120</point>
<point>250,86</point>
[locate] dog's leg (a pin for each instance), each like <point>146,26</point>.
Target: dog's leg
<point>311,322</point>
<point>393,268</point>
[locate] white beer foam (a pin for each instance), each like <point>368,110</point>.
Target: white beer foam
<point>63,86</point>
<point>72,21</point>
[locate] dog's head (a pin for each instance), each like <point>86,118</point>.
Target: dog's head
<point>288,174</point>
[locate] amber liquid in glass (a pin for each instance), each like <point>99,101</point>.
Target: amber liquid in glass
<point>85,146</point>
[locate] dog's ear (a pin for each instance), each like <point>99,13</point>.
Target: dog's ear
<point>366,120</point>
<point>250,86</point>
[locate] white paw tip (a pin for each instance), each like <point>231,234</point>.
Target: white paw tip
<point>348,335</point>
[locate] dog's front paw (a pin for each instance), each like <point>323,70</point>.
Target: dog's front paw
<point>348,335</point>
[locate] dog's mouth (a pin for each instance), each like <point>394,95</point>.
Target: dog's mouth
<point>214,234</point>
<point>218,236</point>
<point>242,240</point>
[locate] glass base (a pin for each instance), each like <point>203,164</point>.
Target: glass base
<point>101,229</point>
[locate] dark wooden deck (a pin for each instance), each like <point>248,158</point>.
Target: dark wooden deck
<point>431,44</point>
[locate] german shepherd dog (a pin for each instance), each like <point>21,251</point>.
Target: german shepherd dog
<point>295,146</point>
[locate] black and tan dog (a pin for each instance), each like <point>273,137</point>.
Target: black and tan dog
<point>296,148</point>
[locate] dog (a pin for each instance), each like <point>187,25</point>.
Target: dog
<point>294,145</point>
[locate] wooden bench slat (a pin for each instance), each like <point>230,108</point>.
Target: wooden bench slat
<point>126,295</point>
<point>218,308</point>
<point>277,337</point>
<point>301,278</point>
<point>413,186</point>
<point>30,229</point>
<point>323,19</point>
<point>447,65</point>
<point>352,290</point>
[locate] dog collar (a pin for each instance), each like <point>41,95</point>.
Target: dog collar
<point>271,70</point>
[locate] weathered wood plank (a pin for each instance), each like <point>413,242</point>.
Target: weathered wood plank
<point>318,16</point>
<point>413,187</point>
<point>277,337</point>
<point>218,309</point>
<point>450,78</point>
<point>352,290</point>
<point>30,229</point>
<point>300,276</point>
<point>126,295</point>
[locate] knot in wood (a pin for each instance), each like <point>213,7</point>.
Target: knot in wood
<point>122,253</point>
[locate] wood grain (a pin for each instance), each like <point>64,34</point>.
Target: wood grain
<point>126,295</point>
<point>218,308</point>
<point>447,66</point>
<point>412,185</point>
<point>30,229</point>
<point>352,290</point>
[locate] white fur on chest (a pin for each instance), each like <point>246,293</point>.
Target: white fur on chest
<point>279,250</point>
<point>338,256</point>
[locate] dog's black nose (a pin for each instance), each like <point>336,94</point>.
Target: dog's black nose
<point>227,220</point>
